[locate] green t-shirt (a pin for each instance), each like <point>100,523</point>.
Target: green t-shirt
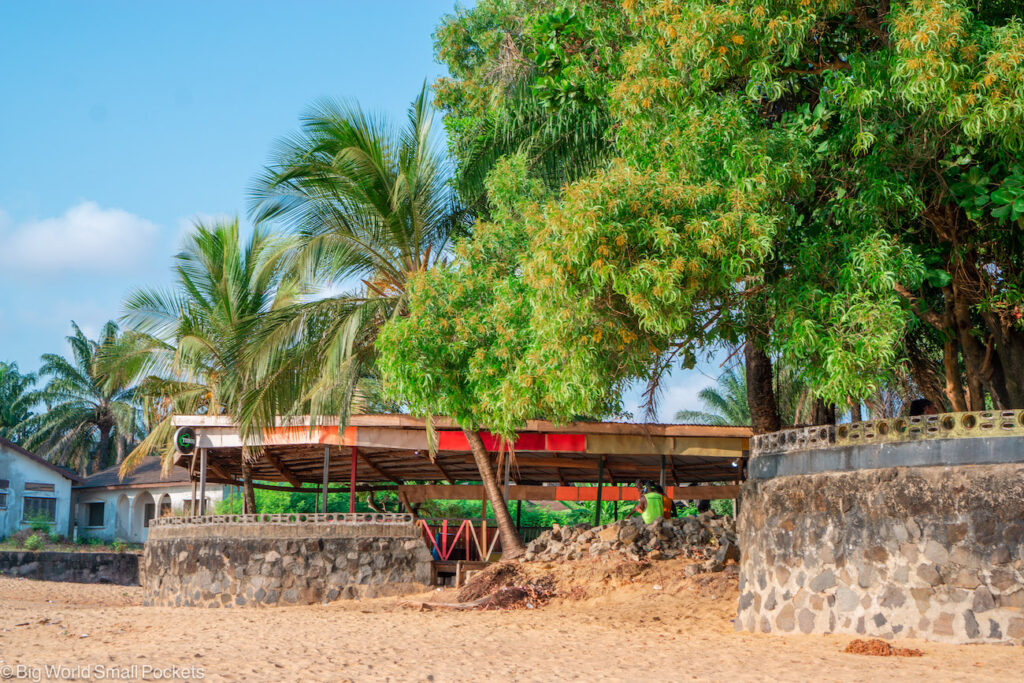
<point>655,507</point>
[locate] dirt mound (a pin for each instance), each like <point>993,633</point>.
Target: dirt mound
<point>504,586</point>
<point>707,539</point>
<point>879,648</point>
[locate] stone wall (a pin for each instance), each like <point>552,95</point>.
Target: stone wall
<point>247,565</point>
<point>117,568</point>
<point>927,552</point>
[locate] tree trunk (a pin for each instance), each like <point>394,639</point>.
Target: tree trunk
<point>855,411</point>
<point>103,449</point>
<point>925,374</point>
<point>511,544</point>
<point>764,411</point>
<point>824,413</point>
<point>971,349</point>
<point>248,492</point>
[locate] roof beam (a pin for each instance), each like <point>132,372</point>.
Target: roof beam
<point>377,470</point>
<point>282,469</point>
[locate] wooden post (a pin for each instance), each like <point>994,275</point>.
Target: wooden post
<point>661,475</point>
<point>231,505</point>
<point>202,481</point>
<point>519,515</point>
<point>327,465</point>
<point>352,481</point>
<point>600,477</point>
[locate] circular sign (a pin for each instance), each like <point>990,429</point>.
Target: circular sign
<point>185,440</point>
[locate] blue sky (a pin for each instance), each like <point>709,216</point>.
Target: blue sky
<point>123,121</point>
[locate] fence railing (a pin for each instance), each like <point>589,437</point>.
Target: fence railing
<point>970,424</point>
<point>351,518</point>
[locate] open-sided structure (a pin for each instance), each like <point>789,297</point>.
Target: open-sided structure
<point>391,451</point>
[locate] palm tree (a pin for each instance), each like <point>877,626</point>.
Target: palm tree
<point>16,401</point>
<point>92,417</point>
<point>725,404</point>
<point>370,205</point>
<point>192,339</point>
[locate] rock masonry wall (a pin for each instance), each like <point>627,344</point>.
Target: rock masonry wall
<point>117,568</point>
<point>927,552</point>
<point>221,566</point>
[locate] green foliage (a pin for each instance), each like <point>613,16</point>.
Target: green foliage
<point>39,523</point>
<point>367,202</point>
<point>16,402</point>
<point>92,415</point>
<point>723,405</point>
<point>189,343</point>
<point>34,542</point>
<point>773,176</point>
<point>118,546</point>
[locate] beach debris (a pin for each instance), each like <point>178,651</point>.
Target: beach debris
<point>708,539</point>
<point>879,648</point>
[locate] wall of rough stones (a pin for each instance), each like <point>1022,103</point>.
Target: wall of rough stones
<point>226,565</point>
<point>117,568</point>
<point>927,552</point>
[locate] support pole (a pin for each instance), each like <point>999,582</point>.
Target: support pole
<point>352,481</point>
<point>231,505</point>
<point>661,475</point>
<point>327,472</point>
<point>202,481</point>
<point>519,515</point>
<point>483,528</point>
<point>600,479</point>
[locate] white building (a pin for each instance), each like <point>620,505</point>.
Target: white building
<point>108,507</point>
<point>32,490</point>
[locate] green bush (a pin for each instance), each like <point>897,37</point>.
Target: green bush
<point>39,523</point>
<point>118,546</point>
<point>34,542</point>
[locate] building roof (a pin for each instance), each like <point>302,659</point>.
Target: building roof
<point>394,448</point>
<point>63,471</point>
<point>148,473</point>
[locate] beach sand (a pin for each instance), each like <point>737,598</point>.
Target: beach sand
<point>653,627</point>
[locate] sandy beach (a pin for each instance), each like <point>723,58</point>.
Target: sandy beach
<point>617,628</point>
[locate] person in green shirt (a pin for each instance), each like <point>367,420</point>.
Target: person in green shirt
<point>651,505</point>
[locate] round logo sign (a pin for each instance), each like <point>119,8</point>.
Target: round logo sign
<point>185,440</point>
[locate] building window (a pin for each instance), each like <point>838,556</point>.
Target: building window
<point>3,501</point>
<point>38,509</point>
<point>165,508</point>
<point>148,513</point>
<point>96,514</point>
<point>35,486</point>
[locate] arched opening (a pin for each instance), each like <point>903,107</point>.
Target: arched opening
<point>143,510</point>
<point>165,509</point>
<point>122,522</point>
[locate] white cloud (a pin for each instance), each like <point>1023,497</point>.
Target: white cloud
<point>87,238</point>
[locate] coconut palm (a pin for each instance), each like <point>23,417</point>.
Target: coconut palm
<point>724,404</point>
<point>91,417</point>
<point>369,204</point>
<point>193,338</point>
<point>17,398</point>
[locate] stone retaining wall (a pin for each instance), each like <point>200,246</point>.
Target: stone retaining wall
<point>247,565</point>
<point>117,568</point>
<point>926,552</point>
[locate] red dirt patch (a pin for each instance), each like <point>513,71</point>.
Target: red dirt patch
<point>880,648</point>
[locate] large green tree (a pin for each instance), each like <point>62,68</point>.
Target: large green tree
<point>92,417</point>
<point>835,181</point>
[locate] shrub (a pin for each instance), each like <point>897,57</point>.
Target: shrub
<point>34,542</point>
<point>39,523</point>
<point>118,546</point>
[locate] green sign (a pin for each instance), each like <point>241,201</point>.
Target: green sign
<point>185,440</point>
